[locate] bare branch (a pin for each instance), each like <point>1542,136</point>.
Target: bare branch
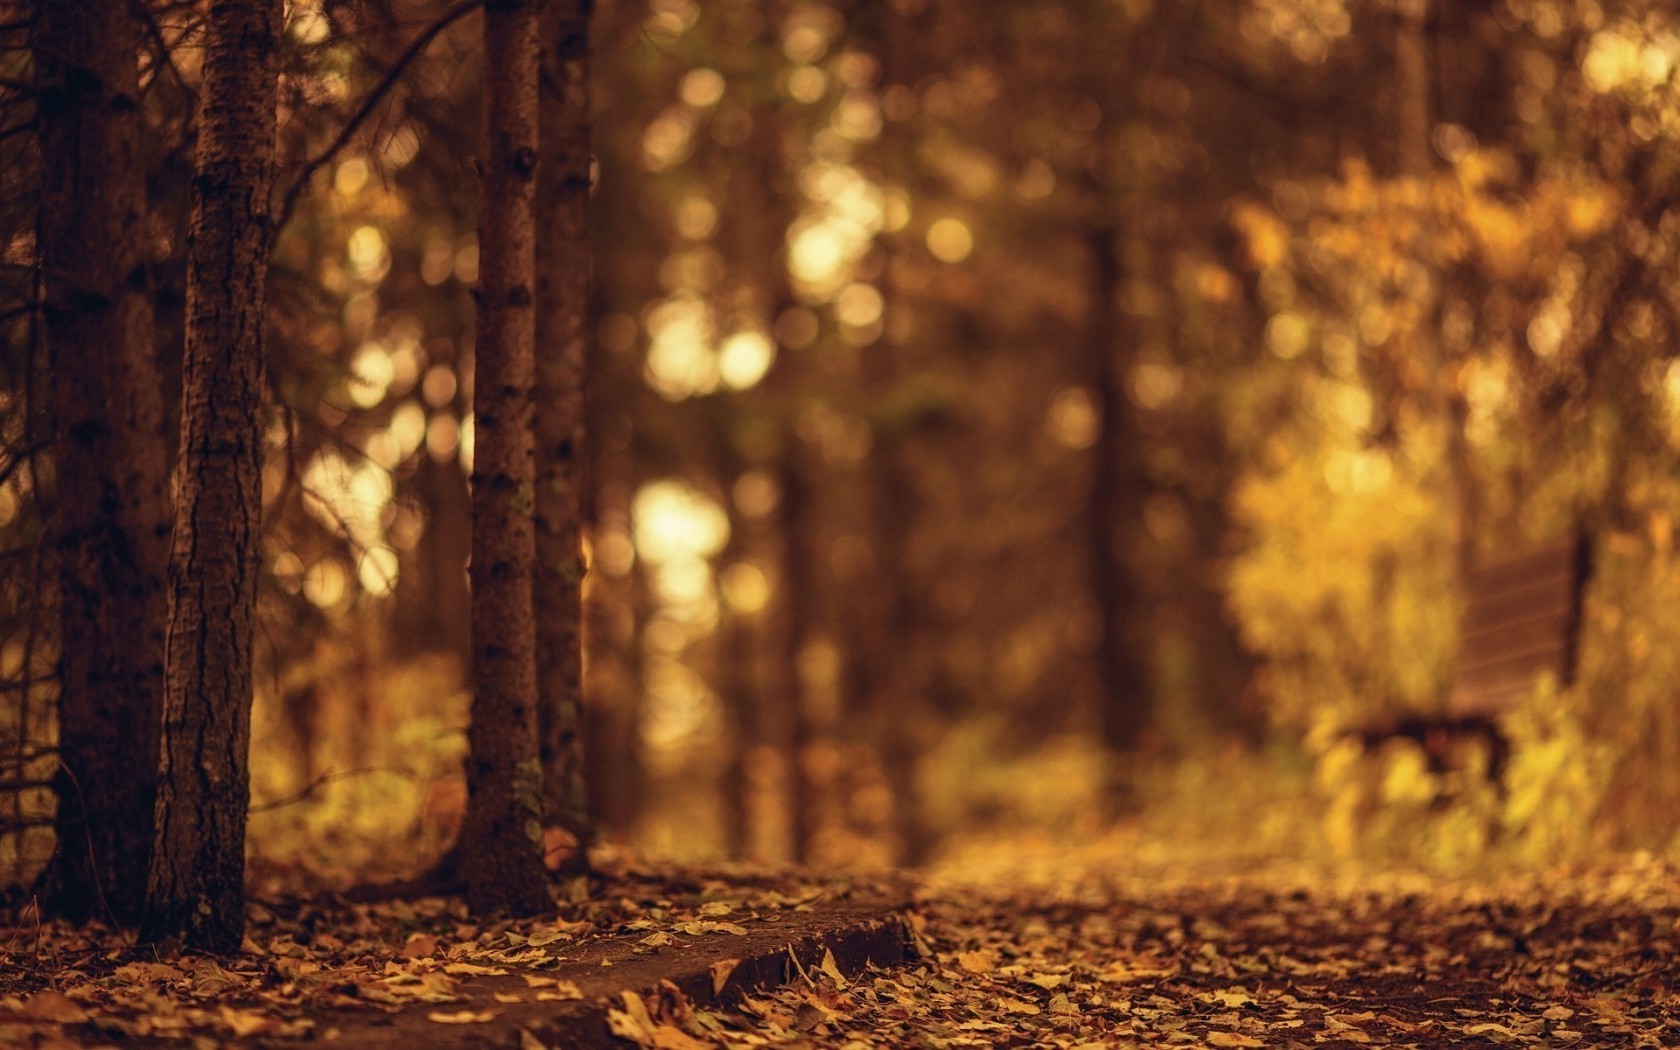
<point>319,782</point>
<point>369,104</point>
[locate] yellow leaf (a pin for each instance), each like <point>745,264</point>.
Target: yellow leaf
<point>540,937</point>
<point>246,1023</point>
<point>1016,1006</point>
<point>720,973</point>
<point>562,991</point>
<point>727,927</point>
<point>711,909</point>
<point>632,1022</point>
<point>1232,1039</point>
<point>670,1037</point>
<point>527,1041</point>
<point>975,962</point>
<point>460,969</point>
<point>461,1016</point>
<point>832,969</point>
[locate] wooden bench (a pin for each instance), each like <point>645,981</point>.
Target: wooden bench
<point>1522,621</point>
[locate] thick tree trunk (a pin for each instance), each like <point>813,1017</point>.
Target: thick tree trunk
<point>562,314</point>
<point>197,884</point>
<point>112,511</point>
<point>501,854</point>
<point>1114,505</point>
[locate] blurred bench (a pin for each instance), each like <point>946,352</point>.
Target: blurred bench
<point>1522,621</point>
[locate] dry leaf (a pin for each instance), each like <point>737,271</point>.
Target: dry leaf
<point>832,969</point>
<point>975,962</point>
<point>1232,1039</point>
<point>54,1006</point>
<point>562,991</point>
<point>246,1023</point>
<point>461,1016</point>
<point>670,1037</point>
<point>720,973</point>
<point>460,969</point>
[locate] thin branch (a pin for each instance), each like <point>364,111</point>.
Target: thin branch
<point>369,104</point>
<point>321,781</point>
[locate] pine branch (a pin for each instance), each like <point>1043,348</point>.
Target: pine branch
<point>369,104</point>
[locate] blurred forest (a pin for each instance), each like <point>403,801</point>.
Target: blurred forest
<point>1032,416</point>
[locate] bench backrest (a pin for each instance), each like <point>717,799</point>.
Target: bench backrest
<point>1522,619</point>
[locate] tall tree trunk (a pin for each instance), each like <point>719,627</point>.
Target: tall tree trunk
<point>799,616</point>
<point>501,856</point>
<point>1114,504</point>
<point>197,886</point>
<point>112,513</point>
<point>562,315</point>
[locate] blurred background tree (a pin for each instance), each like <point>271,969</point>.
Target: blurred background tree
<point>1010,416</point>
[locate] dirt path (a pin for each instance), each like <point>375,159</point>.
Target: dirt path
<point>1268,959</point>
<point>1064,952</point>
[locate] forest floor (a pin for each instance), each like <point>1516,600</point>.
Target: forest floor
<point>1034,946</point>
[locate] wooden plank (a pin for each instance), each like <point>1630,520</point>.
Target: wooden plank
<point>1521,621</point>
<point>1553,560</point>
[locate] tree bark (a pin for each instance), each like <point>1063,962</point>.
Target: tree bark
<point>502,838</point>
<point>196,890</point>
<point>799,617</point>
<point>112,511</point>
<point>1114,504</point>
<point>562,315</point>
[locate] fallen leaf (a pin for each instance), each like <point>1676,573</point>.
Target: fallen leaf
<point>670,1037</point>
<point>1232,1039</point>
<point>461,969</point>
<point>632,1022</point>
<point>720,973</point>
<point>975,962</point>
<point>53,1006</point>
<point>246,1023</point>
<point>832,969</point>
<point>563,991</point>
<point>461,1016</point>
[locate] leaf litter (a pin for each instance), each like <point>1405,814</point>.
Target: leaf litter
<point>1095,955</point>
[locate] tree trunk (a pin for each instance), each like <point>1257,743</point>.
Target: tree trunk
<point>798,572</point>
<point>1114,504</point>
<point>112,511</point>
<point>502,840</point>
<point>562,315</point>
<point>197,886</point>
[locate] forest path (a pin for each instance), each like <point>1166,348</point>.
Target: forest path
<point>1078,955</point>
<point>1108,946</point>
